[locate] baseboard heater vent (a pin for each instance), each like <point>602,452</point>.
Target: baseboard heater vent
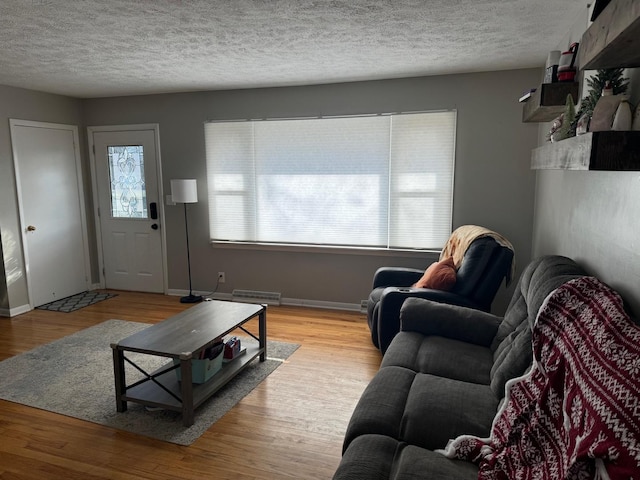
<point>363,306</point>
<point>254,296</point>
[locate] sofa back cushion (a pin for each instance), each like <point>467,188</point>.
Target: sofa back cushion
<point>484,266</point>
<point>512,344</point>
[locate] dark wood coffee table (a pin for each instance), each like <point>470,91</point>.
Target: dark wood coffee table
<point>182,337</point>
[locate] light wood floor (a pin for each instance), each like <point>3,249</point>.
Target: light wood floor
<point>290,427</point>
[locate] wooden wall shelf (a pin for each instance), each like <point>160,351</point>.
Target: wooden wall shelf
<point>592,151</point>
<point>613,39</point>
<point>548,101</point>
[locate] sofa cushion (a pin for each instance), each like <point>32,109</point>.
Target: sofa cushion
<point>440,356</point>
<point>369,457</point>
<point>538,280</point>
<point>512,343</point>
<point>477,258</point>
<point>381,405</point>
<point>515,315</point>
<point>513,358</point>
<point>439,409</point>
<point>451,321</point>
<point>421,409</point>
<point>377,457</point>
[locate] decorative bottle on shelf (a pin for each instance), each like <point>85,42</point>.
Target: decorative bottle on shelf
<point>582,126</point>
<point>567,64</point>
<point>605,110</point>
<point>622,119</point>
<point>551,69</point>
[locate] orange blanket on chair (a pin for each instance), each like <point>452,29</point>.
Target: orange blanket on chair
<point>463,236</point>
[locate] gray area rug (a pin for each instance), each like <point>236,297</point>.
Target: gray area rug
<point>73,376</point>
<point>76,302</point>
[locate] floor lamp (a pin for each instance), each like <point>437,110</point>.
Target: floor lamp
<point>186,191</point>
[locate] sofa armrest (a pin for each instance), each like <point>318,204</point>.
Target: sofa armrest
<point>450,321</point>
<point>396,277</point>
<point>391,301</point>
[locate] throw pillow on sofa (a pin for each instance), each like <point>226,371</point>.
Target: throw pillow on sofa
<point>439,276</point>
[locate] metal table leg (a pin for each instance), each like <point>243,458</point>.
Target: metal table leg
<point>186,390</point>
<point>118,373</point>
<point>262,326</point>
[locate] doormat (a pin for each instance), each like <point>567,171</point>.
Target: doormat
<point>76,302</point>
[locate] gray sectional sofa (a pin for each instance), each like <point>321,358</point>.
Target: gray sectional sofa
<point>443,376</point>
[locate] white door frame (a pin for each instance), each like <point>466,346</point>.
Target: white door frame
<point>83,213</point>
<point>94,183</point>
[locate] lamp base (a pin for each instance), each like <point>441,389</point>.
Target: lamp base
<point>191,299</point>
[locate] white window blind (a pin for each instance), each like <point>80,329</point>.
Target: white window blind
<point>377,181</point>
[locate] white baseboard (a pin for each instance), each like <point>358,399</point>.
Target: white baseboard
<point>292,302</point>
<point>182,293</point>
<point>12,312</point>
<point>299,302</point>
<point>221,296</point>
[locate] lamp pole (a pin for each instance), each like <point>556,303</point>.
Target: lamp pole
<point>185,191</point>
<point>191,298</point>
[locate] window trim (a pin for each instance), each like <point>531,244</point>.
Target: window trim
<point>323,249</point>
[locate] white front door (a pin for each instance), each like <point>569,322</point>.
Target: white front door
<point>126,165</point>
<point>52,214</point>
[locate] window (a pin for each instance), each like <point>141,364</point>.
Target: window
<point>126,173</point>
<point>382,181</point>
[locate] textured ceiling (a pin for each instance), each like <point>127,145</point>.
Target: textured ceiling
<point>97,48</point>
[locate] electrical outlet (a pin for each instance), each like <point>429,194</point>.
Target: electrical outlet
<point>221,277</point>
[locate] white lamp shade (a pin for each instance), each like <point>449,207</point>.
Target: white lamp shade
<point>184,191</point>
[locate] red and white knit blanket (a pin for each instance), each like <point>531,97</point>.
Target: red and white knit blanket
<point>576,413</point>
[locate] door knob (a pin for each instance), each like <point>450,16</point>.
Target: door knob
<point>154,226</point>
<point>31,228</point>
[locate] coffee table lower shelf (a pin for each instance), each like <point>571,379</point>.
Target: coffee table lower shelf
<point>152,395</point>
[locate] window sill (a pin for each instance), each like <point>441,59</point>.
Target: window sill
<point>320,249</point>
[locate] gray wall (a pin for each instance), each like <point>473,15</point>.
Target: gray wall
<point>24,105</point>
<point>593,218</point>
<point>494,185</point>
